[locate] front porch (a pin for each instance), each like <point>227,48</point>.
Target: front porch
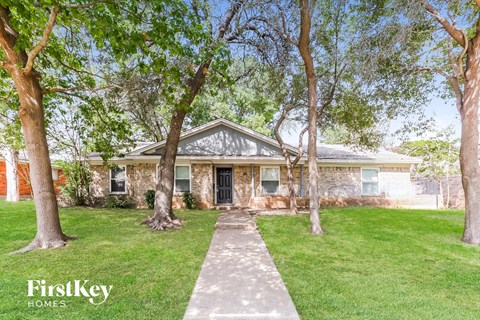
<point>227,186</point>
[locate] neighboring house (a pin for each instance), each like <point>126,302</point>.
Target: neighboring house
<point>23,173</point>
<point>225,164</point>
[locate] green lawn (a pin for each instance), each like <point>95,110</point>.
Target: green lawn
<point>152,273</point>
<point>377,264</point>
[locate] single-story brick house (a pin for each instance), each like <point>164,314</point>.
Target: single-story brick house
<point>225,164</point>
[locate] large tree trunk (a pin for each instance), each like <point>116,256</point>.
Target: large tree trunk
<point>291,190</point>
<point>26,80</point>
<point>304,48</point>
<point>11,163</point>
<point>49,231</point>
<point>163,216</point>
<point>469,148</point>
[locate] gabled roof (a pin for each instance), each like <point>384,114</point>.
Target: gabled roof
<point>326,153</point>
<point>215,123</point>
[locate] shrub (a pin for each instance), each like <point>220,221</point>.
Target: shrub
<point>150,198</point>
<point>118,202</point>
<point>78,176</point>
<point>189,200</point>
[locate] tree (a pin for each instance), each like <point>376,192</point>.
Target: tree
<point>306,13</point>
<point>69,138</point>
<point>163,216</point>
<point>353,95</point>
<point>290,163</point>
<point>48,48</point>
<point>456,59</point>
<point>19,63</point>
<point>242,94</point>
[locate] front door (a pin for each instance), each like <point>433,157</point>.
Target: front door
<point>224,185</point>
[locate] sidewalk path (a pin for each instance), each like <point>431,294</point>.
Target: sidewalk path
<point>238,279</point>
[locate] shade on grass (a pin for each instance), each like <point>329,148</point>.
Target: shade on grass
<point>152,273</point>
<point>377,264</point>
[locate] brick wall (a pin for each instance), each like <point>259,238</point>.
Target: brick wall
<point>202,185</point>
<point>99,186</point>
<point>339,182</point>
<point>140,178</point>
<point>242,188</point>
<point>338,186</point>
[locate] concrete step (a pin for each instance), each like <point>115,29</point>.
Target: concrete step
<point>229,207</point>
<point>236,219</point>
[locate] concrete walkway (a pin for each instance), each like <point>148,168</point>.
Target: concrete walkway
<point>238,279</point>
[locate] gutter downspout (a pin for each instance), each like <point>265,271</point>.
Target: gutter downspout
<point>252,192</point>
<point>301,181</point>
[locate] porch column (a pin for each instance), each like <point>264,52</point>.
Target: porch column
<point>252,183</point>
<point>301,181</point>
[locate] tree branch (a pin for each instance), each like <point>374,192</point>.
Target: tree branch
<point>433,69</point>
<point>300,146</point>
<point>66,90</point>
<point>222,30</point>
<point>460,57</point>
<point>453,82</point>
<point>458,93</point>
<point>454,32</point>
<point>43,43</point>
<point>285,31</point>
<point>81,6</point>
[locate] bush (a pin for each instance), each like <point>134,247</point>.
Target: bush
<point>78,176</point>
<point>189,200</point>
<point>150,198</point>
<point>118,202</point>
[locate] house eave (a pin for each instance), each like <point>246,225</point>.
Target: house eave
<point>253,159</point>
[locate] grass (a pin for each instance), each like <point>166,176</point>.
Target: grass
<point>152,273</point>
<point>377,264</point>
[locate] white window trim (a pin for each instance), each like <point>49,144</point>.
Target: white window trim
<point>261,185</point>
<point>110,181</point>
<point>361,182</point>
<point>175,176</point>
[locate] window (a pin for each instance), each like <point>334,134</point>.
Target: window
<point>270,179</point>
<point>182,178</point>
<point>118,180</point>
<point>370,182</point>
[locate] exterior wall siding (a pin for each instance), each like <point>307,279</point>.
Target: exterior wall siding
<point>24,180</point>
<point>223,140</point>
